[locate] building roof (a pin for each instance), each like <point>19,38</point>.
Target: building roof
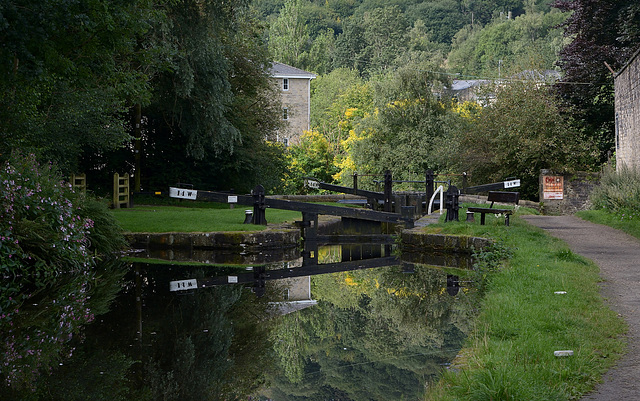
<point>461,84</point>
<point>280,70</point>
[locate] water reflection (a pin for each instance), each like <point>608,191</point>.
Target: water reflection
<point>328,326</point>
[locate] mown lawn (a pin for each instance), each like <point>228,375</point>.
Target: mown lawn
<point>523,320</point>
<point>156,219</point>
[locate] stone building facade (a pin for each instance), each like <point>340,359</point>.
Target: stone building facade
<point>294,85</point>
<point>627,92</point>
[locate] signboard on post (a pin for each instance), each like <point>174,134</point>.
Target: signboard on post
<point>553,187</point>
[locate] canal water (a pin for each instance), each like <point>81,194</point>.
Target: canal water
<point>341,322</point>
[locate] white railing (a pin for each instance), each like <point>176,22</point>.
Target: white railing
<point>441,191</point>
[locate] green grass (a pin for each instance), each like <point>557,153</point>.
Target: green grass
<point>629,221</point>
<point>522,322</point>
<point>156,219</point>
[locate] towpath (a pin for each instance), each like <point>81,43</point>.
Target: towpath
<point>618,256</point>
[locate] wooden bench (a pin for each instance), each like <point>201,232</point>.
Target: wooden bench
<point>497,196</point>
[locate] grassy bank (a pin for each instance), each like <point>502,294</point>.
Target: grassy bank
<point>522,321</point>
<point>629,221</point>
<point>155,219</point>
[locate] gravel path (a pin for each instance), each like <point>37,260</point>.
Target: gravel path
<point>618,256</point>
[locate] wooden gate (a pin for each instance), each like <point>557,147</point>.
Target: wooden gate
<point>121,191</point>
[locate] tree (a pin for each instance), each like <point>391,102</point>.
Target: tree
<point>385,35</point>
<point>349,47</point>
<point>508,46</point>
<point>372,44</point>
<point>442,18</point>
<point>518,135</point>
<point>68,70</point>
<point>407,126</point>
<point>288,35</point>
<point>600,31</point>
<point>312,157</point>
<point>213,106</point>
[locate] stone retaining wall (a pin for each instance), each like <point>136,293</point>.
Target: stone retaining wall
<point>415,240</point>
<point>246,241</point>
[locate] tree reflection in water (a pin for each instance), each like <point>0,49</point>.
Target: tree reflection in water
<point>42,334</point>
<point>374,334</point>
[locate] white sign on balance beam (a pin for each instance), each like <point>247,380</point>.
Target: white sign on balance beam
<point>511,184</point>
<point>183,285</point>
<point>183,193</point>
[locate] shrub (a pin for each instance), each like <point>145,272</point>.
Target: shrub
<point>619,191</point>
<point>46,258</point>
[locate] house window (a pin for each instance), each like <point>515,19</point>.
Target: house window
<point>285,113</point>
<point>285,84</point>
<point>285,141</point>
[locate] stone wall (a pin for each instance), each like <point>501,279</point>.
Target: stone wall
<point>627,93</point>
<point>569,197</point>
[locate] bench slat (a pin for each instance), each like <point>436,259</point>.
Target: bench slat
<point>489,210</point>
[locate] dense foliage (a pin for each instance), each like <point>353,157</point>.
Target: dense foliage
<point>522,132</point>
<point>67,73</point>
<point>48,249</point>
<point>102,87</point>
<point>618,192</point>
<point>601,31</point>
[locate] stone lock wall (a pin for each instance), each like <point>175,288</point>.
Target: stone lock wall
<point>571,197</point>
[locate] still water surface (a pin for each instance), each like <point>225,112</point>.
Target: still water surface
<point>363,333</point>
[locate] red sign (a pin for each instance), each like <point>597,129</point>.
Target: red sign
<point>553,187</point>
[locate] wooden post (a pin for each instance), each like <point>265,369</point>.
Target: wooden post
<point>388,191</point>
<point>355,182</point>
<point>310,227</point>
<point>259,214</point>
<point>429,183</point>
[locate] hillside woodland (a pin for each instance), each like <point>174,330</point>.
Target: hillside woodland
<point>179,90</point>
<point>381,101</point>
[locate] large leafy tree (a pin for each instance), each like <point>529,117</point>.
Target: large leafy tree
<point>289,35</point>
<point>601,31</point>
<point>373,43</point>
<point>213,104</point>
<point>408,125</point>
<point>67,70</point>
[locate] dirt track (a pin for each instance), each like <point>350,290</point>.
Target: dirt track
<point>618,256</point>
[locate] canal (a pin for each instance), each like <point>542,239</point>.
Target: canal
<point>361,323</point>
